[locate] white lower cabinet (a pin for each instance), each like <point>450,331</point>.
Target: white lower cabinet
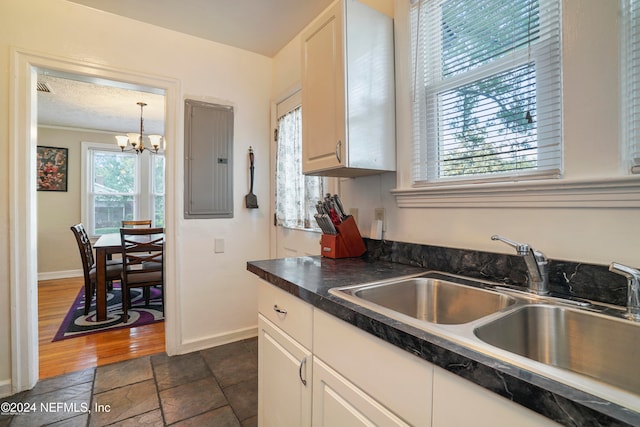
<point>337,402</point>
<point>367,378</point>
<point>284,358</point>
<point>316,370</point>
<point>284,378</point>
<point>458,402</point>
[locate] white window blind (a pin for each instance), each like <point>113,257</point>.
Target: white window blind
<point>487,90</point>
<point>296,194</point>
<point>630,114</point>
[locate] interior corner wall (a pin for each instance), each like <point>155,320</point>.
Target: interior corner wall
<point>215,295</point>
<point>592,151</point>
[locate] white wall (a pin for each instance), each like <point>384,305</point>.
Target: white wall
<point>591,143</point>
<point>216,296</point>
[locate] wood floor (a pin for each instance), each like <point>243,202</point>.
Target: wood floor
<point>74,354</point>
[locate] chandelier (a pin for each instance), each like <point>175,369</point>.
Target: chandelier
<point>136,140</point>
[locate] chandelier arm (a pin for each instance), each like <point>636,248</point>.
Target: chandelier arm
<point>138,146</point>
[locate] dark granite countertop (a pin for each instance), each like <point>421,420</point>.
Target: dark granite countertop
<point>310,279</point>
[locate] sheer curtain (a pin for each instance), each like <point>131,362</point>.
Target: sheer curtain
<point>296,194</point>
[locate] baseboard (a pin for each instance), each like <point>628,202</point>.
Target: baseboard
<point>216,340</point>
<point>5,388</point>
<point>65,274</point>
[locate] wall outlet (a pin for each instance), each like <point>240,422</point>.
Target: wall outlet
<point>378,215</point>
<point>218,246</point>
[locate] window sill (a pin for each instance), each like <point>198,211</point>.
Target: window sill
<point>623,192</point>
<point>310,230</point>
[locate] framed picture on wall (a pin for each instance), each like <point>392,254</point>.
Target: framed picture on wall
<point>52,168</point>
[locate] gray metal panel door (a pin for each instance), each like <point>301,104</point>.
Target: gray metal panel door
<point>208,160</point>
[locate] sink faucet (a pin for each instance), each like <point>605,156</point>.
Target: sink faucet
<point>537,265</point>
<point>633,293</point>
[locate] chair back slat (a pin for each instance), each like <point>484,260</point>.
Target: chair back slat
<point>139,223</point>
<point>84,245</point>
<point>141,245</point>
<point>143,262</point>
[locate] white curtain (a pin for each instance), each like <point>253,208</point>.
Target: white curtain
<point>296,194</point>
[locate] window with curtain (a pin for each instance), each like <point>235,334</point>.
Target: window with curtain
<point>630,109</point>
<point>296,194</point>
<point>487,96</point>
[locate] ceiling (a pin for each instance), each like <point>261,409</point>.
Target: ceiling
<point>260,26</point>
<point>97,104</point>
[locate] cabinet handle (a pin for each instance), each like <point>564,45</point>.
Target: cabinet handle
<point>279,310</point>
<point>338,150</point>
<point>302,363</point>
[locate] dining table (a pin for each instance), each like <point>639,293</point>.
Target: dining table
<point>106,245</point>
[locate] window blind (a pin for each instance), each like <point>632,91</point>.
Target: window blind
<point>630,115</point>
<point>487,90</point>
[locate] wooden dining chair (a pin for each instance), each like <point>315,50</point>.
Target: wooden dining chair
<point>127,223</point>
<point>143,265</point>
<point>114,267</point>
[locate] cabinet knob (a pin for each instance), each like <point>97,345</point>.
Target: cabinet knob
<point>338,151</point>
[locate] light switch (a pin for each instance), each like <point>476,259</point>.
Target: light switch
<point>218,246</point>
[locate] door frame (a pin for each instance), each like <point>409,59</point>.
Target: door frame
<point>23,231</point>
<point>288,242</point>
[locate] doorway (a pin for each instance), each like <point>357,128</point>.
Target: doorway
<point>78,118</point>
<point>23,202</point>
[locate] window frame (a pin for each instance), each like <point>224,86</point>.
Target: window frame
<point>427,126</point>
<point>144,190</point>
<point>153,193</point>
<point>606,187</point>
<point>630,79</point>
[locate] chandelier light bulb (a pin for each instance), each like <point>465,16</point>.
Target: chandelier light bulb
<point>137,140</point>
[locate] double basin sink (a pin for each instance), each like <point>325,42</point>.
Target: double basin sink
<point>575,338</point>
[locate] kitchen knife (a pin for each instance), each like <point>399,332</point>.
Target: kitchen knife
<point>330,226</point>
<point>321,223</point>
<point>340,208</point>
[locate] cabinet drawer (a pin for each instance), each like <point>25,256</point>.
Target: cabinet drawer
<point>291,314</point>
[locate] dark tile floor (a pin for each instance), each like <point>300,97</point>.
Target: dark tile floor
<point>213,387</point>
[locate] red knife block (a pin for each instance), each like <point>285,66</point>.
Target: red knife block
<point>346,244</point>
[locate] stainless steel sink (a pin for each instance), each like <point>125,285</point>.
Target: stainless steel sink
<point>427,299</point>
<point>600,347</point>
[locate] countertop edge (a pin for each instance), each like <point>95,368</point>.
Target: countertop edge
<point>550,398</point>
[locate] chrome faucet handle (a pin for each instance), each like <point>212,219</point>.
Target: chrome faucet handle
<point>536,262</point>
<point>633,290</point>
<point>521,248</point>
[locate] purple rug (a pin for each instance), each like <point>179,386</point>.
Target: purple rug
<point>76,324</point>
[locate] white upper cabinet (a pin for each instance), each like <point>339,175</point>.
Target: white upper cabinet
<point>348,92</point>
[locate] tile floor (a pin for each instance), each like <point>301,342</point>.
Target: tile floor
<point>213,387</point>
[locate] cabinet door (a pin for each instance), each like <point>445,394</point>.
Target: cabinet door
<point>284,378</point>
<point>337,402</point>
<point>481,408</point>
<point>323,105</point>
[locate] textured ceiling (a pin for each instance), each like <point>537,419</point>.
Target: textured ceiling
<point>103,105</point>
